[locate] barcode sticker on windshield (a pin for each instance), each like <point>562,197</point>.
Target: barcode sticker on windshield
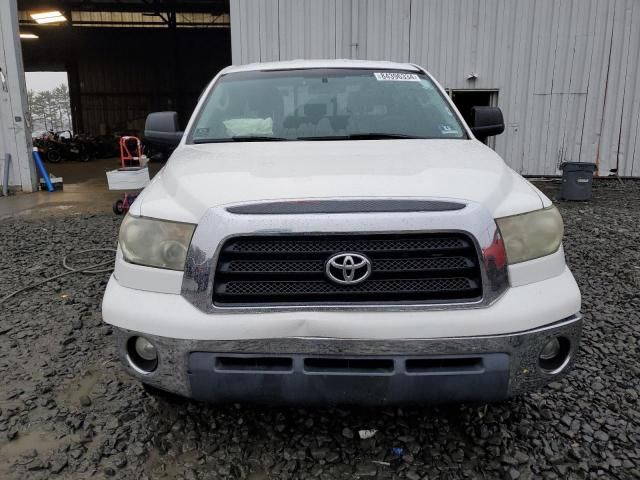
<point>396,77</point>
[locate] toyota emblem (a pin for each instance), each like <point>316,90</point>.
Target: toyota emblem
<point>348,268</point>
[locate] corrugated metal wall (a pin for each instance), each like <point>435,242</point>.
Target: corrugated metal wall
<point>567,71</point>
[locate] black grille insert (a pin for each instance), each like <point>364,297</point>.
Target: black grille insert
<point>351,365</point>
<point>443,364</point>
<point>278,364</point>
<point>290,270</point>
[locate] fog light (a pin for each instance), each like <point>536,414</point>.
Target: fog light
<point>550,349</point>
<point>555,355</point>
<point>142,355</point>
<point>145,349</point>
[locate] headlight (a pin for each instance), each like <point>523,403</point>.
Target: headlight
<point>531,235</point>
<point>155,243</point>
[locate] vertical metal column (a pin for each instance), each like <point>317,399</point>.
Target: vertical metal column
<point>15,129</point>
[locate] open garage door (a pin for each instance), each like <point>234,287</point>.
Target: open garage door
<point>127,58</point>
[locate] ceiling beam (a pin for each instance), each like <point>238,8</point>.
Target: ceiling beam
<point>140,6</point>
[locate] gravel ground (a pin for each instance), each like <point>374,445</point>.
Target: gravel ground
<point>68,411</point>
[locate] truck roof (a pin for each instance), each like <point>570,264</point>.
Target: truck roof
<point>305,64</point>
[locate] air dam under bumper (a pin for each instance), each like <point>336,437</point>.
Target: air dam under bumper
<point>343,371</point>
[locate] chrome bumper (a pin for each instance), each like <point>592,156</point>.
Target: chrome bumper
<point>507,365</point>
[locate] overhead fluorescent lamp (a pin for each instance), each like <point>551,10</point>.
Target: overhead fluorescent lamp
<point>54,16</point>
<point>59,19</point>
<point>41,15</point>
<point>28,35</point>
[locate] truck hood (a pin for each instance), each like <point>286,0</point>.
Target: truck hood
<point>198,177</point>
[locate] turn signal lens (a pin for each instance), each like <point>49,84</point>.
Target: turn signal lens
<point>531,235</point>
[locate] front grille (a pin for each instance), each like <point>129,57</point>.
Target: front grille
<point>290,270</point>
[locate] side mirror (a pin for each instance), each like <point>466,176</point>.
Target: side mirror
<point>486,121</point>
<point>161,128</point>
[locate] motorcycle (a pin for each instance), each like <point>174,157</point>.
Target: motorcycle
<point>64,145</point>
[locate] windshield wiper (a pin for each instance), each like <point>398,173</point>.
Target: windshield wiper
<point>242,138</point>
<point>362,136</point>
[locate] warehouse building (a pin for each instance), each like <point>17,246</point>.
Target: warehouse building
<point>566,73</point>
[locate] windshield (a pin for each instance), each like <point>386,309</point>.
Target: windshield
<point>324,104</point>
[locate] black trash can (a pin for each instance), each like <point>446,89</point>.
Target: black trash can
<point>577,180</point>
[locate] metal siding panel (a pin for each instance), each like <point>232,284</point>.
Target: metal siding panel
<point>632,158</point>
<point>415,30</point>
<point>427,58</point>
<point>573,101</point>
<point>237,31</point>
<point>387,31</point>
<point>285,15</point>
<point>613,105</point>
<point>509,88</point>
<point>343,28</point>
<point>328,28</point>
<point>546,50</point>
<point>330,22</point>
<point>567,71</point>
<point>531,124</point>
<point>485,52</point>
<point>249,50</point>
<point>313,31</point>
<point>363,24</point>
<point>464,44</point>
<point>447,48</point>
<point>268,30</point>
<point>601,24</point>
<point>579,71</point>
<point>437,51</point>
<point>516,88</point>
<point>361,29</point>
<point>253,34</point>
<point>553,155</point>
<point>239,25</point>
<point>307,29</point>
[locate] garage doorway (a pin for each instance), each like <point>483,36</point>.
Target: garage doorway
<point>465,100</point>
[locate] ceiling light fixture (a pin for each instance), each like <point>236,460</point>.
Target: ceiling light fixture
<point>28,35</point>
<point>53,16</point>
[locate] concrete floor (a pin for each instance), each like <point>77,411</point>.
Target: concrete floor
<point>85,189</point>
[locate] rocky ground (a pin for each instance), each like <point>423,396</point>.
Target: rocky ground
<point>67,410</point>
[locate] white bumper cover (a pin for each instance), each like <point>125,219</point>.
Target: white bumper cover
<point>171,315</point>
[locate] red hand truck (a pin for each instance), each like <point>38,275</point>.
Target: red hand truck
<point>130,159</point>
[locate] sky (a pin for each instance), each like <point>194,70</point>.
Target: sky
<point>42,81</point>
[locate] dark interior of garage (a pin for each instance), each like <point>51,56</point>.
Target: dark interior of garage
<point>128,58</point>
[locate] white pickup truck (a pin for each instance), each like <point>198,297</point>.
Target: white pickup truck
<point>334,232</point>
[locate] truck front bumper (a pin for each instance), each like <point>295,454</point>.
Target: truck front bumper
<point>304,370</point>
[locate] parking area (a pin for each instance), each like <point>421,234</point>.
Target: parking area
<point>68,410</point>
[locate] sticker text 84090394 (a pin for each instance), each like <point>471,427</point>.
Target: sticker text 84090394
<point>396,77</point>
